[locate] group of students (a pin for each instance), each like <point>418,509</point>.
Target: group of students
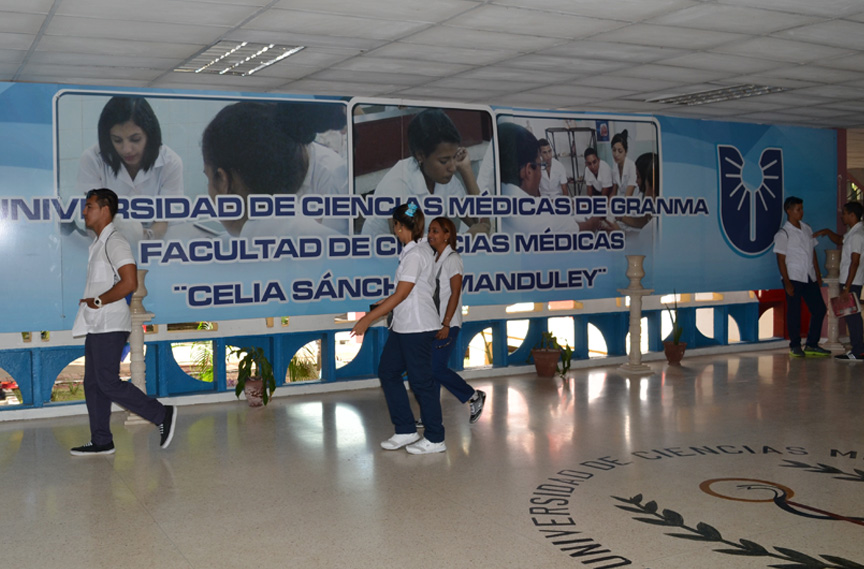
<point>426,318</point>
<point>794,247</point>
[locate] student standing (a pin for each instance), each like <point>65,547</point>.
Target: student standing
<point>796,258</point>
<point>851,272</point>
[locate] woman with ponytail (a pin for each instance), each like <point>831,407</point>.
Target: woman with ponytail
<point>409,342</point>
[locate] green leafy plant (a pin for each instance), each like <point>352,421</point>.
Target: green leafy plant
<point>548,342</point>
<point>566,359</point>
<point>677,330</point>
<point>303,366</point>
<point>253,364</point>
<point>202,355</point>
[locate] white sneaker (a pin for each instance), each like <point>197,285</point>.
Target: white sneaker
<point>425,446</point>
<point>398,441</point>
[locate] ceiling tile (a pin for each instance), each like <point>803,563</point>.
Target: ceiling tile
<point>626,83</point>
<point>349,76</point>
<point>726,18</point>
<point>583,93</point>
<point>413,10</point>
<point>556,63</point>
<point>591,49</point>
<point>838,33</point>
<point>833,92</point>
<point>296,21</point>
<point>782,50</point>
<point>520,78</point>
<point>16,41</point>
<point>823,8</point>
<point>668,36</point>
<point>432,93</point>
<point>18,23</point>
<point>168,11</point>
<point>287,38</point>
<point>681,75</point>
<point>812,73</point>
<point>852,62</point>
<point>344,88</point>
<point>532,22</point>
<point>459,37</point>
<point>720,62</point>
<point>623,10</point>
<point>96,28</point>
<point>441,53</point>
<point>489,85</point>
<point>409,66</point>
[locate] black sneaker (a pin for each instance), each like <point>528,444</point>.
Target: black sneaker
<point>816,352</point>
<point>477,403</point>
<point>92,450</point>
<point>849,357</point>
<point>166,429</point>
<point>796,352</point>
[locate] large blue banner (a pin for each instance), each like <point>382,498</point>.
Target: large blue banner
<point>243,205</point>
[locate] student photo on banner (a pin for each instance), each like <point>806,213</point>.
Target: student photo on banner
<point>416,152</point>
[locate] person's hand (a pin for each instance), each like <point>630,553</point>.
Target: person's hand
<point>461,158</point>
<point>821,233</point>
<point>592,224</point>
<point>790,290</point>
<point>481,226</point>
<point>443,333</point>
<point>360,326</point>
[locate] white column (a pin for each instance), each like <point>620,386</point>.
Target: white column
<point>832,263</point>
<point>136,342</point>
<point>635,291</point>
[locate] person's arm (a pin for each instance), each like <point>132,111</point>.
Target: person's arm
<point>834,237</point>
<point>452,305</point>
<point>818,270</point>
<point>564,190</point>
<point>853,270</point>
<point>403,289</point>
<point>127,284</point>
<point>787,283</point>
<point>609,190</point>
<point>463,166</point>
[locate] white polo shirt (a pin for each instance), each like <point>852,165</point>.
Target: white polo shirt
<point>797,244</point>
<point>603,179</point>
<point>450,265</point>
<point>115,316</point>
<point>853,242</point>
<point>417,312</point>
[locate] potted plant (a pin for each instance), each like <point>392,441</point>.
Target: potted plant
<point>254,375</point>
<point>546,355</point>
<point>566,359</point>
<point>674,348</point>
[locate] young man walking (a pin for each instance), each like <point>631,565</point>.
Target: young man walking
<point>104,318</point>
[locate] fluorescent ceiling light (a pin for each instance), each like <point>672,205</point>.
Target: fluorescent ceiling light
<point>717,95</point>
<point>233,58</point>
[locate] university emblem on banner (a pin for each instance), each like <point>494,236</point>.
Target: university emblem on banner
<point>751,199</point>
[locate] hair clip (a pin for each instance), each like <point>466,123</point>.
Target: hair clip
<point>412,207</point>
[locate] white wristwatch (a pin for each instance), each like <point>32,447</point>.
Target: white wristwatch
<point>98,302</point>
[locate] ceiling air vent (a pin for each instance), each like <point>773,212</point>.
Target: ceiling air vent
<point>237,58</point>
<point>717,95</point>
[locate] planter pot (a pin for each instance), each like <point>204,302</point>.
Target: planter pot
<point>254,390</point>
<point>546,361</point>
<point>674,352</point>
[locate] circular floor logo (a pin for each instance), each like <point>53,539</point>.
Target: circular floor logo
<point>679,472</point>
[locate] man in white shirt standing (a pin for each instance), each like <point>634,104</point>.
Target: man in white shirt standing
<point>796,258</point>
<point>104,318</point>
<point>851,273</point>
<point>598,175</point>
<point>553,181</point>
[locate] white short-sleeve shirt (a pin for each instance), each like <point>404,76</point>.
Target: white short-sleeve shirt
<point>603,179</point>
<point>164,178</point>
<point>405,180</point>
<point>627,178</point>
<point>416,313</point>
<point>108,253</point>
<point>449,265</point>
<point>550,184</point>
<point>797,244</point>
<point>853,242</point>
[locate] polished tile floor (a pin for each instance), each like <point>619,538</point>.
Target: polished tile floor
<point>750,461</point>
